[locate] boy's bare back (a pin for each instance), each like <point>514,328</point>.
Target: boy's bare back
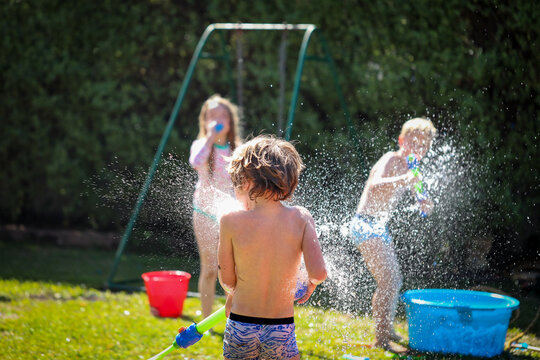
<point>260,247</point>
<point>267,246</point>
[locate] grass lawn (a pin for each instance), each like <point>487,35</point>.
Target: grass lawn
<point>52,307</point>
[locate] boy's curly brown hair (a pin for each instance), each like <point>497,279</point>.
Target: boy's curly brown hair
<point>273,166</point>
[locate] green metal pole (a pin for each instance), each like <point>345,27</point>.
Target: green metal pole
<point>226,57</point>
<point>163,142</point>
<point>298,78</point>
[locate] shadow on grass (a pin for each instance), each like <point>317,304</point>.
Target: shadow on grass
<point>88,267</point>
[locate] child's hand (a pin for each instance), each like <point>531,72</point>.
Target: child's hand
<point>310,289</point>
<point>213,128</point>
<point>426,206</point>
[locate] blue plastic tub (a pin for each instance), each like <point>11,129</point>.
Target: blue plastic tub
<point>458,321</point>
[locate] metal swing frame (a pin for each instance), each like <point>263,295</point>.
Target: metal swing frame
<point>309,31</point>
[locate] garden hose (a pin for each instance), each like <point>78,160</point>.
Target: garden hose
<point>521,334</point>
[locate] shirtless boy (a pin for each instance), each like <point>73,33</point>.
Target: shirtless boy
<point>388,180</point>
<point>260,249</point>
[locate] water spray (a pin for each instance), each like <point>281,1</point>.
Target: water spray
<point>421,195</point>
<point>193,333</point>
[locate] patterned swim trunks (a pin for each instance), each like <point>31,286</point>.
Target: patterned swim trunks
<point>365,227</point>
<point>249,337</point>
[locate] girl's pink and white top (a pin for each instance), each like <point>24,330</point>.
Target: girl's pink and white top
<point>206,196</point>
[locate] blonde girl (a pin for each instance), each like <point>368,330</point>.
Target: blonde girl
<point>217,139</point>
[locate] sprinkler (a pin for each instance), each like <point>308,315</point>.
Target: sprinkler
<point>193,333</point>
<point>421,195</point>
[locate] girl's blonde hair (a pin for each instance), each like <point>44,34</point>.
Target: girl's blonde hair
<point>233,136</point>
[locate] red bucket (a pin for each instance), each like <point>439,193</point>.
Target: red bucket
<point>166,291</point>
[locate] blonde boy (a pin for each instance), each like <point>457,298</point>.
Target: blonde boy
<point>260,249</point>
<point>388,180</point>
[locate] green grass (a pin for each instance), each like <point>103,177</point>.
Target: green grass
<point>44,314</point>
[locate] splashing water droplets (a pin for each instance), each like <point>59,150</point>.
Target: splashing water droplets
<point>429,250</point>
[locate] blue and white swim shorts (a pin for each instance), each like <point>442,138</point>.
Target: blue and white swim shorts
<point>365,227</point>
<point>249,337</point>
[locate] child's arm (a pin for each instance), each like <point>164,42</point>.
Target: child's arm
<point>226,267</point>
<point>391,172</point>
<point>200,150</point>
<point>397,181</point>
<point>313,257</point>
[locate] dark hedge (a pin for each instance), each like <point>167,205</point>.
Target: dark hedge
<point>88,86</point>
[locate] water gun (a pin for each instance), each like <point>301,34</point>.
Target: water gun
<point>421,195</point>
<point>301,290</point>
<point>193,333</point>
<point>217,127</point>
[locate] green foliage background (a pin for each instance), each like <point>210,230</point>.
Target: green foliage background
<point>87,88</point>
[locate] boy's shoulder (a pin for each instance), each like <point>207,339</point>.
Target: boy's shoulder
<point>389,164</point>
<point>292,212</point>
<point>391,158</point>
<point>299,211</point>
<point>235,219</point>
<point>233,214</point>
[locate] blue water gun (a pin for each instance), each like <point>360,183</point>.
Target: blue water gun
<point>217,126</point>
<point>192,334</point>
<point>421,195</point>
<point>301,290</point>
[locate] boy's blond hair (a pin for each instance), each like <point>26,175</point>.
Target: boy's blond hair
<point>419,124</point>
<point>273,166</point>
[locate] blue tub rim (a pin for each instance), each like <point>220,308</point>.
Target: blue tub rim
<point>508,303</point>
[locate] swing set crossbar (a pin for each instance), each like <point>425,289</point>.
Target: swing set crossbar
<point>309,30</point>
<point>252,26</point>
